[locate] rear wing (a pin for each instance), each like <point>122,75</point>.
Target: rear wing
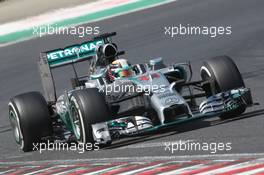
<point>65,56</point>
<point>71,54</point>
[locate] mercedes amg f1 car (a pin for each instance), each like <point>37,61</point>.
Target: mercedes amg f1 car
<point>156,96</point>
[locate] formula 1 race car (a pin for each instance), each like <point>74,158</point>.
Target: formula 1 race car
<point>117,99</point>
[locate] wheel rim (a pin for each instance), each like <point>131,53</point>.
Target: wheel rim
<point>76,122</point>
<point>16,127</point>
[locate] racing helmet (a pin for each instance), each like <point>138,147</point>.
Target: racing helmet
<point>120,68</point>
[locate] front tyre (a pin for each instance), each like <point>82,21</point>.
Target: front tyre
<point>87,107</point>
<point>30,119</point>
<point>224,75</point>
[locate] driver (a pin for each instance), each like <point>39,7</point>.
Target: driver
<point>120,68</point>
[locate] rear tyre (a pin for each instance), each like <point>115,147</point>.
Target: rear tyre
<point>30,119</point>
<point>224,75</point>
<point>88,107</point>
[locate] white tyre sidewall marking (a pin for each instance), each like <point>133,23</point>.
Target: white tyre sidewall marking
<point>203,68</point>
<point>18,122</point>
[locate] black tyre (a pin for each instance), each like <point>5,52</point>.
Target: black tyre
<point>30,119</point>
<point>224,76</point>
<point>88,107</point>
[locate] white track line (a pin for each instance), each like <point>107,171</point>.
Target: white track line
<point>182,170</point>
<point>259,170</point>
<point>40,170</point>
<point>104,170</point>
<point>142,169</point>
<point>229,168</point>
<point>8,171</point>
<point>60,15</point>
<point>145,158</point>
<point>74,169</point>
<point>5,28</point>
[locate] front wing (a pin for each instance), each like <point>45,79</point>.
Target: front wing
<point>213,106</point>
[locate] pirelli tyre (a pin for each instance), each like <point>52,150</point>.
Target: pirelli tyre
<point>30,119</point>
<point>88,106</point>
<point>224,76</point>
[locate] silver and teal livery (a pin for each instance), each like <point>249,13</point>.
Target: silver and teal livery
<point>156,96</point>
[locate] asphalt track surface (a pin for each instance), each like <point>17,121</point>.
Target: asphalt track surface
<point>141,34</point>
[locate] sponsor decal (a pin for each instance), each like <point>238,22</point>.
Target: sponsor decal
<point>155,75</point>
<point>172,100</point>
<point>73,51</point>
<point>166,95</point>
<point>144,78</point>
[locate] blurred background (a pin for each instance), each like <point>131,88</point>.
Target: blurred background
<point>11,10</point>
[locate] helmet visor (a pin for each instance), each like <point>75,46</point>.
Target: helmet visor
<point>124,72</point>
